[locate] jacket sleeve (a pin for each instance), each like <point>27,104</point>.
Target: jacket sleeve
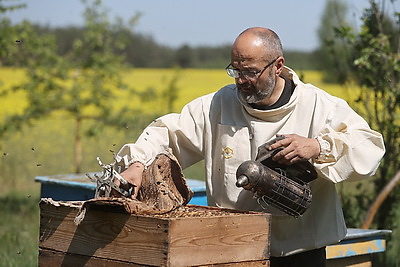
<point>183,133</point>
<point>350,150</point>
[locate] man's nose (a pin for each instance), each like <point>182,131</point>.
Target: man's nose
<point>241,79</point>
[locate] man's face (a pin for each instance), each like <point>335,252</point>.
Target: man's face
<point>257,89</point>
<point>251,59</point>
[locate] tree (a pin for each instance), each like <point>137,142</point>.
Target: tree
<point>7,31</point>
<point>184,57</point>
<point>376,68</point>
<point>171,92</point>
<point>331,55</point>
<point>84,85</point>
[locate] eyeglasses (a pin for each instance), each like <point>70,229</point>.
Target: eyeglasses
<point>247,74</point>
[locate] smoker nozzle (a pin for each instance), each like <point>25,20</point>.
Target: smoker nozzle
<point>242,181</point>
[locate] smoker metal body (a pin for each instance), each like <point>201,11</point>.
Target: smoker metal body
<point>286,187</point>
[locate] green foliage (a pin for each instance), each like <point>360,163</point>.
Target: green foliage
<point>142,51</point>
<point>4,8</point>
<point>170,94</point>
<point>354,202</point>
<point>332,53</point>
<point>393,244</point>
<point>45,70</point>
<point>7,31</point>
<point>377,69</point>
<point>375,66</point>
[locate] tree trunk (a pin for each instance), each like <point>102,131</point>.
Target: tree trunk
<point>379,200</point>
<point>78,145</point>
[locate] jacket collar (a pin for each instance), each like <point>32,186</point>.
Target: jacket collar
<point>278,113</point>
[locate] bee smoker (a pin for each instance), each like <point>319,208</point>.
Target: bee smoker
<point>286,187</point>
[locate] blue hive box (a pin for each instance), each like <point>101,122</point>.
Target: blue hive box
<point>76,187</point>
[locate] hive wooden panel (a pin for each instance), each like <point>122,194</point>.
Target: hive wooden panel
<point>108,236</point>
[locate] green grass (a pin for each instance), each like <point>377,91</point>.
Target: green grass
<point>19,226</point>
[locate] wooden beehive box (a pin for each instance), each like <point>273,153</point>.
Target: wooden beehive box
<point>190,236</point>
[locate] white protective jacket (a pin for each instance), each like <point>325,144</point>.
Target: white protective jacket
<point>225,132</point>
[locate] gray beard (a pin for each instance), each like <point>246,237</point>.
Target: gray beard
<point>259,95</point>
<point>255,97</point>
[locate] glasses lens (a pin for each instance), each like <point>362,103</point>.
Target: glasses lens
<point>232,72</point>
<point>249,75</point>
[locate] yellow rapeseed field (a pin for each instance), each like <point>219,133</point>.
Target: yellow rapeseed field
<point>191,83</point>
<point>11,103</point>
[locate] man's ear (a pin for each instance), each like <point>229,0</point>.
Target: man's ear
<point>280,62</point>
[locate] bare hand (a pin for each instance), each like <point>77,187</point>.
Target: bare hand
<point>295,148</point>
<point>133,175</point>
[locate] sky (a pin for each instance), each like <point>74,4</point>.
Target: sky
<point>202,22</point>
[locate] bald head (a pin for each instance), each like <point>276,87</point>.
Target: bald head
<point>258,51</point>
<point>257,44</point>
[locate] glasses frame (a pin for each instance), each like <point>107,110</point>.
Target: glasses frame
<point>236,73</point>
